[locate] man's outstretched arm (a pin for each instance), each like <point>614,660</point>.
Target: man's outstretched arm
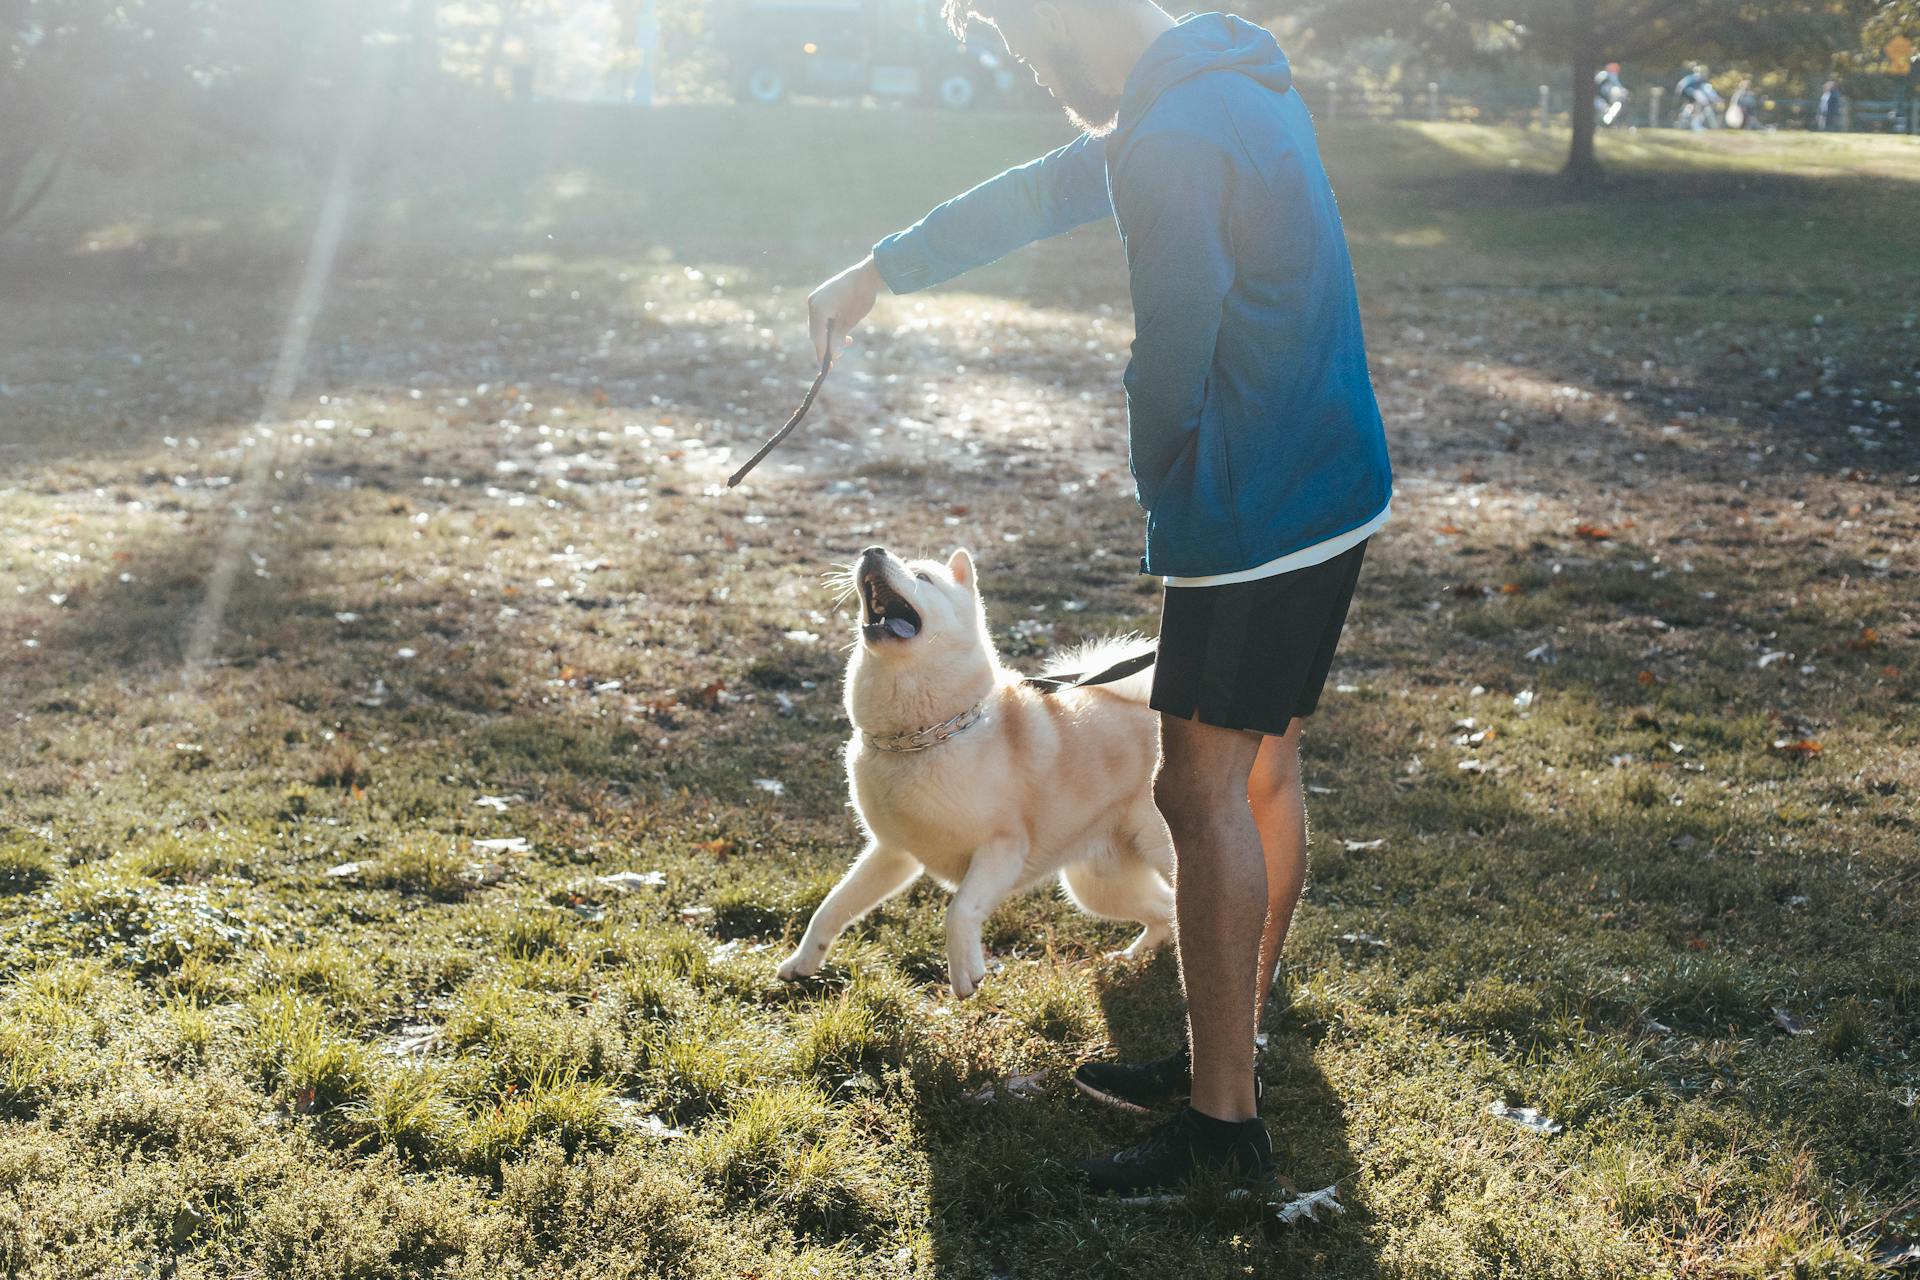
<point>1061,190</point>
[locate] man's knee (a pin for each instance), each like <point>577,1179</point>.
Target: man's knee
<point>1202,778</point>
<point>1191,807</point>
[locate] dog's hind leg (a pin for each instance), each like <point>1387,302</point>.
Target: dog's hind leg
<point>1115,886</point>
<point>876,875</point>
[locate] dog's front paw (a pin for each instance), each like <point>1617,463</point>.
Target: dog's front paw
<point>966,967</point>
<point>803,963</point>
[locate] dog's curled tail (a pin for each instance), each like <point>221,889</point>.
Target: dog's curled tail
<point>1096,656</point>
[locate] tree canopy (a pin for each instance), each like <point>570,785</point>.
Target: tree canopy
<point>1583,34</point>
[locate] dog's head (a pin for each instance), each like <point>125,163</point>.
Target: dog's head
<point>908,606</point>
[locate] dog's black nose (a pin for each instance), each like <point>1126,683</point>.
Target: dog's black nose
<point>873,551</point>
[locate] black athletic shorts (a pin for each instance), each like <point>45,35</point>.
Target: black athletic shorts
<point>1253,655</point>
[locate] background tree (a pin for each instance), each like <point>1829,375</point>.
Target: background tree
<point>114,75</point>
<point>1891,20</point>
<point>1582,35</point>
<point>54,55</point>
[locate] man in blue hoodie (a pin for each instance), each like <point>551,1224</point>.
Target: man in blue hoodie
<point>1256,449</point>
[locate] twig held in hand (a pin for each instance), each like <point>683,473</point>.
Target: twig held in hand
<point>826,363</point>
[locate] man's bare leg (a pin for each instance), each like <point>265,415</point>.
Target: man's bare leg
<point>1280,813</point>
<point>1220,903</point>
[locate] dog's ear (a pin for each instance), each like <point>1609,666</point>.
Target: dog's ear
<point>960,565</point>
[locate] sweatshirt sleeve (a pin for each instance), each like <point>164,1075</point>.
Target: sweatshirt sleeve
<point>1061,190</point>
<point>1173,197</point>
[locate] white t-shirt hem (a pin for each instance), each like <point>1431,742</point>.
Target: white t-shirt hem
<point>1304,558</point>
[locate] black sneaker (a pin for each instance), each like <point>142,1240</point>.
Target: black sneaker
<point>1143,1087</point>
<point>1188,1146</point>
<point>1139,1087</point>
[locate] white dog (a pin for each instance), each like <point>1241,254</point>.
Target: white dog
<point>961,770</point>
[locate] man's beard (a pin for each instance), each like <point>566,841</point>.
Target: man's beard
<point>1088,107</point>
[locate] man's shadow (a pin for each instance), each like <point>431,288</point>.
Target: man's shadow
<point>1006,1199</point>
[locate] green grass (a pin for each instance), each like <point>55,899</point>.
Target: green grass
<point>269,1005</point>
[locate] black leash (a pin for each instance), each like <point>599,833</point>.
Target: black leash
<point>1120,670</point>
<point>826,363</point>
<point>1047,685</point>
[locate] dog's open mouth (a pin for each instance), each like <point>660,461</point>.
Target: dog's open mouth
<point>888,615</point>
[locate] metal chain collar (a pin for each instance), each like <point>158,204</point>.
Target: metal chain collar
<point>932,735</point>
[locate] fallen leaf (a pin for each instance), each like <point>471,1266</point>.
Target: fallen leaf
<point>413,1041</point>
<point>1790,1022</point>
<point>1019,1085</point>
<point>1308,1206</point>
<point>629,881</point>
<point>1027,1085</point>
<point>1525,1117</point>
<point>1592,532</point>
<point>628,1113</point>
<point>1801,747</point>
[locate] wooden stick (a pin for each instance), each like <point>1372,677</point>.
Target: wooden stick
<point>826,363</point>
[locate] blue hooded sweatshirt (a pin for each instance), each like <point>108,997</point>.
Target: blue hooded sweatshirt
<point>1252,427</point>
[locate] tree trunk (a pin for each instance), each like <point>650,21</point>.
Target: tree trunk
<point>1582,165</point>
<point>424,22</point>
<point>16,199</point>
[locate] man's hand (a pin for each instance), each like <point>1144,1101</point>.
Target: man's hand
<point>842,301</point>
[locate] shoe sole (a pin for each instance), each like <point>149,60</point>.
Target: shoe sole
<point>1113,1100</point>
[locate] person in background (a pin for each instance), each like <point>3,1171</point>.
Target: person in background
<point>1743,108</point>
<point>1826,116</point>
<point>1697,99</point>
<point>1609,95</point>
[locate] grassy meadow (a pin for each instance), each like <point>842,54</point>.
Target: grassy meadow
<point>405,800</point>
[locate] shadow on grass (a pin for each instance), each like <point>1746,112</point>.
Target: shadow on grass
<point>1006,1197</point>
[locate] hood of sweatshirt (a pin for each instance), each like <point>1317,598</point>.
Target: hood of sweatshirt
<point>1202,42</point>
